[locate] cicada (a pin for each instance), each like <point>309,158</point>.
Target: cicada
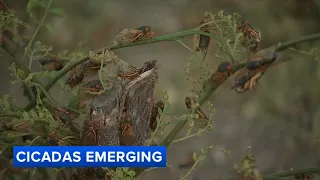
<point>203,119</point>
<point>126,128</point>
<point>146,67</point>
<point>64,113</point>
<point>252,37</point>
<point>248,77</point>
<point>261,60</point>
<point>51,63</point>
<point>155,114</point>
<point>146,32</point>
<point>245,81</point>
<point>202,42</point>
<point>76,75</point>
<point>54,140</point>
<point>131,35</point>
<point>223,71</point>
<point>93,87</point>
<point>188,162</point>
<point>90,68</point>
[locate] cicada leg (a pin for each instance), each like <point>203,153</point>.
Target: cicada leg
<point>254,80</point>
<point>135,38</point>
<point>127,128</point>
<point>93,132</point>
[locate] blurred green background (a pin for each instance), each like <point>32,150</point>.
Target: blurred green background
<point>279,120</point>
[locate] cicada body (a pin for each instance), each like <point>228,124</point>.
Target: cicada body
<point>93,87</point>
<point>203,119</point>
<point>90,68</point>
<point>246,80</point>
<point>127,36</point>
<point>155,114</point>
<point>224,70</point>
<point>202,42</point>
<point>188,162</point>
<point>65,114</point>
<point>146,67</point>
<point>76,75</point>
<point>127,137</point>
<point>257,65</point>
<point>262,60</point>
<point>54,140</point>
<point>51,64</point>
<point>224,67</point>
<point>252,37</point>
<point>146,30</point>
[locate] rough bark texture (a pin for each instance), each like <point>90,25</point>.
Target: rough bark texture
<point>120,116</point>
<point>126,102</point>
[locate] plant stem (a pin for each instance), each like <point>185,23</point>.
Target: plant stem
<point>291,173</point>
<point>72,64</point>
<point>29,92</point>
<point>35,34</point>
<point>288,44</point>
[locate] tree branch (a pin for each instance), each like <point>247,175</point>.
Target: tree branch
<point>288,44</point>
<point>291,173</point>
<point>169,37</point>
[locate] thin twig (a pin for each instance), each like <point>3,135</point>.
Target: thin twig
<point>29,92</point>
<point>184,45</point>
<point>35,33</point>
<point>292,173</point>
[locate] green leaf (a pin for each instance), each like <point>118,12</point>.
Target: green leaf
<point>73,104</point>
<point>25,115</point>
<point>119,173</point>
<point>128,178</point>
<point>30,6</point>
<point>125,169</point>
<point>131,173</point>
<point>29,78</point>
<point>57,11</point>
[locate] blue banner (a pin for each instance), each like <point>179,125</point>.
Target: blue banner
<point>89,156</point>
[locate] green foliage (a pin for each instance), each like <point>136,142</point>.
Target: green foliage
<point>158,132</point>
<point>198,158</point>
<point>247,168</point>
<point>34,5</point>
<point>122,174</point>
<point>232,47</point>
